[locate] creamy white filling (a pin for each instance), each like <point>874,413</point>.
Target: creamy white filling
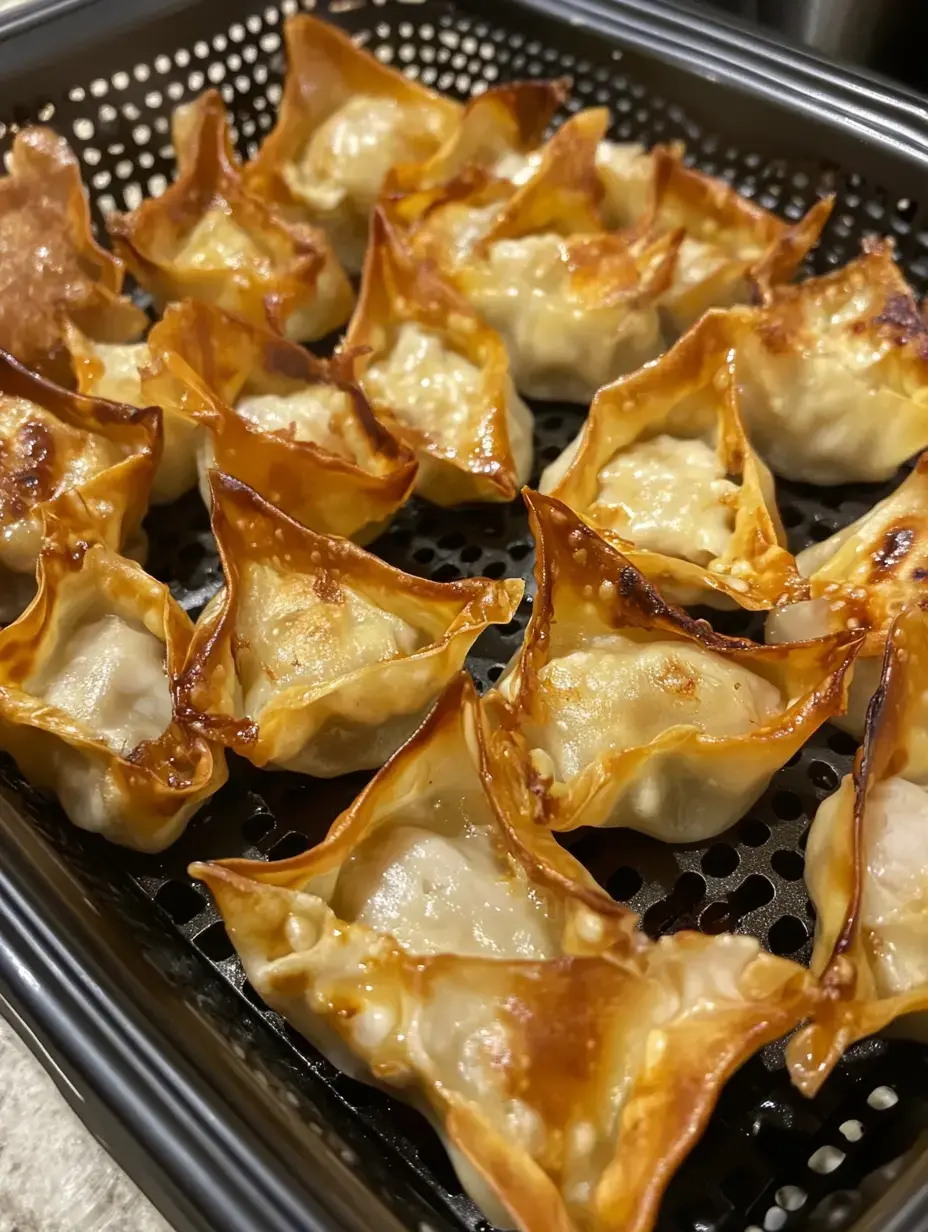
<point>217,242</point>
<point>313,413</point>
<point>616,693</point>
<point>109,675</point>
<point>120,380</point>
<point>351,152</point>
<point>894,899</point>
<point>296,632</point>
<point>443,893</point>
<point>668,495</point>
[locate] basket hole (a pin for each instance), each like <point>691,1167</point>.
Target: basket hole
<point>624,883</point>
<point>249,993</point>
<point>446,573</point>
<point>841,742</point>
<point>786,805</point>
<point>214,943</point>
<point>180,900</point>
<point>519,551</point>
<point>792,516</point>
<point>823,776</point>
<point>292,844</point>
<point>495,672</point>
<point>787,936</point>
<point>495,570</point>
<point>754,892</point>
<point>720,860</point>
<point>820,531</point>
<point>258,827</point>
<point>422,556</point>
<point>753,833</point>
<point>451,543</point>
<point>471,553</point>
<point>678,909</point>
<point>787,864</point>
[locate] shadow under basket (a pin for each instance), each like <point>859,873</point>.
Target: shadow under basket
<point>117,967</point>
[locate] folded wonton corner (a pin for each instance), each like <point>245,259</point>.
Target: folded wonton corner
<point>115,371</point>
<point>295,428</point>
<point>731,247</point>
<point>85,691</point>
<point>663,469</point>
<point>207,238</point>
<point>438,377</point>
<point>50,264</point>
<point>867,870</point>
<point>627,712</point>
<point>54,441</point>
<point>317,656</point>
<point>576,305</point>
<point>860,578</point>
<point>440,943</point>
<point>834,374</point>
<point>345,119</point>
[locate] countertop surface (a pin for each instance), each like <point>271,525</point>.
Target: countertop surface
<point>54,1176</point>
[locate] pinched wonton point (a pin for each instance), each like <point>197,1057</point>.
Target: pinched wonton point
<point>731,247</point>
<point>85,692</point>
<point>345,119</point>
<point>54,441</point>
<point>662,468</point>
<point>627,712</point>
<point>115,371</point>
<point>317,656</point>
<point>295,428</point>
<point>438,377</point>
<point>207,238</point>
<point>499,136</point>
<point>50,264</point>
<point>440,943</point>
<point>834,374</point>
<point>867,871</point>
<point>860,578</point>
<point>576,306</point>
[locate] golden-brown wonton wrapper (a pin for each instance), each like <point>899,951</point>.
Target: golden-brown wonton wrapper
<point>206,237</point>
<point>730,246</point>
<point>85,692</point>
<point>860,578</point>
<point>834,374</point>
<point>54,441</point>
<point>664,471</point>
<point>568,1063</point>
<point>295,428</point>
<point>627,712</point>
<point>438,377</point>
<point>345,119</point>
<point>317,656</point>
<point>577,306</point>
<point>867,871</point>
<point>50,264</point>
<point>499,135</point>
<point>115,371</point>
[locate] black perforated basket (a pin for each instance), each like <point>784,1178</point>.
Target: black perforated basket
<point>115,965</point>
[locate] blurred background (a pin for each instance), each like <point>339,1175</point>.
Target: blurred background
<point>886,35</point>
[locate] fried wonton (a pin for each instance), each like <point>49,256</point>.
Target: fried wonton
<point>861,577</point>
<point>731,247</point>
<point>208,238</point>
<point>499,135</point>
<point>115,370</point>
<point>295,428</point>
<point>627,712</point>
<point>345,119</point>
<point>85,692</point>
<point>50,264</point>
<point>834,374</point>
<point>54,441</point>
<point>576,306</point>
<point>437,942</point>
<point>867,871</point>
<point>317,656</point>
<point>438,377</point>
<point>664,471</point>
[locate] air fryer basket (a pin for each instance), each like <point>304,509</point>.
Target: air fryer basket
<point>770,1159</point>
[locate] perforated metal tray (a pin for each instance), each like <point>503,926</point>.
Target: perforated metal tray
<point>116,964</point>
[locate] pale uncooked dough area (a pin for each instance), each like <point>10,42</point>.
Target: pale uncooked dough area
<point>54,1176</point>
